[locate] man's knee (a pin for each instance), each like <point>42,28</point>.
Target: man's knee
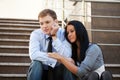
<point>36,66</point>
<point>106,75</point>
<point>35,70</point>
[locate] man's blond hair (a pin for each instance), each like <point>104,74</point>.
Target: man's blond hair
<point>46,12</point>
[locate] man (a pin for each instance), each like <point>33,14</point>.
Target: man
<point>42,66</point>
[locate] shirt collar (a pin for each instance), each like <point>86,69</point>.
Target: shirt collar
<point>46,36</point>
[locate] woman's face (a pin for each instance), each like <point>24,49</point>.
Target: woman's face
<point>71,33</point>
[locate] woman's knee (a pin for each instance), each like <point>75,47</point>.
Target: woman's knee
<point>106,75</point>
<point>93,76</point>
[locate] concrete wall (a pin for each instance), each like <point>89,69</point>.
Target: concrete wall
<point>29,9</point>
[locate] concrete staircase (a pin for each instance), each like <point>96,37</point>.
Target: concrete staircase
<point>106,21</point>
<point>14,59</point>
<point>14,38</point>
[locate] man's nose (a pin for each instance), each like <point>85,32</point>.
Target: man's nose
<point>44,25</point>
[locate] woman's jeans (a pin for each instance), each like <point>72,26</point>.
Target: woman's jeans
<point>37,72</point>
<point>106,75</point>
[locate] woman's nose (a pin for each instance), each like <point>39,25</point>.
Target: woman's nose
<point>69,34</point>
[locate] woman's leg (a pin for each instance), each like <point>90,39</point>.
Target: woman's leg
<point>58,72</point>
<point>93,76</point>
<point>106,75</point>
<point>68,75</point>
<point>35,71</point>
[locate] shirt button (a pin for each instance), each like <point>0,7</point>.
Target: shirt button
<point>50,64</point>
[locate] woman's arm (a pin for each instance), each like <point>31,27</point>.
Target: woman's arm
<point>67,62</point>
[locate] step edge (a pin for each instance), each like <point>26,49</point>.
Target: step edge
<point>6,46</point>
<point>24,75</point>
<point>11,33</point>
<point>28,25</point>
<point>112,65</point>
<point>116,75</point>
<point>14,54</point>
<point>27,29</point>
<point>13,75</point>
<point>17,40</point>
<point>13,64</point>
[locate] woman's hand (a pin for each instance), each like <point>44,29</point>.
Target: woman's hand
<point>55,56</point>
<point>59,57</point>
<point>67,62</point>
<point>70,60</point>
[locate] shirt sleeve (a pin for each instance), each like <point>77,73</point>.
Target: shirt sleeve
<point>61,45</point>
<point>89,61</point>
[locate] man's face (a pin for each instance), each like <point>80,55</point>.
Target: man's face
<point>46,24</point>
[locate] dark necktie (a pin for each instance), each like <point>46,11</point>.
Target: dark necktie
<point>50,73</point>
<point>50,44</point>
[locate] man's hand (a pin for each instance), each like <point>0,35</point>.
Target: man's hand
<point>54,29</point>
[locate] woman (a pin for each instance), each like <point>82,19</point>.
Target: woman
<point>87,59</point>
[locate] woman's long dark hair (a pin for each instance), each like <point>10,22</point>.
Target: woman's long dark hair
<point>82,36</point>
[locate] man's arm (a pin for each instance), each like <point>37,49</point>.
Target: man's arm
<point>36,52</point>
<point>61,45</point>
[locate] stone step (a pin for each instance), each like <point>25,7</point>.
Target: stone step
<point>14,35</point>
<point>23,77</point>
<point>11,68</point>
<point>13,49</point>
<point>12,76</point>
<point>113,68</point>
<point>25,21</point>
<point>15,57</point>
<point>14,42</point>
<point>16,30</point>
<point>116,76</point>
<point>106,37</point>
<point>7,70</point>
<point>19,25</point>
<point>19,22</point>
<point>111,54</point>
<point>15,54</point>
<point>11,25</point>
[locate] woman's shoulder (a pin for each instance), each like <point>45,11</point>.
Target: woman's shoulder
<point>94,49</point>
<point>94,46</point>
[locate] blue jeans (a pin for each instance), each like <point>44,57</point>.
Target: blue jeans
<point>37,72</point>
<point>106,75</point>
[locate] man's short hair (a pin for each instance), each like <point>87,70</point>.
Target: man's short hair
<point>46,12</point>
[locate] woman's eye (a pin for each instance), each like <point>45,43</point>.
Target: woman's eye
<point>72,31</point>
<point>47,22</point>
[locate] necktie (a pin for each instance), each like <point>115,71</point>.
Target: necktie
<point>50,73</point>
<point>50,44</point>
